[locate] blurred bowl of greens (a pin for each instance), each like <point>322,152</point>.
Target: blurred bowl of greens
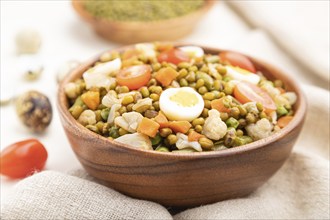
<point>142,21</point>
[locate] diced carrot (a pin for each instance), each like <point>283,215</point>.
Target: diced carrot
<point>217,104</point>
<point>161,120</point>
<point>284,121</point>
<point>194,136</point>
<point>91,99</point>
<point>179,126</point>
<point>148,127</point>
<point>166,75</point>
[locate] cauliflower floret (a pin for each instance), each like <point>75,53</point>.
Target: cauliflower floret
<point>291,97</point>
<point>136,140</point>
<point>87,117</point>
<point>110,99</point>
<point>112,113</point>
<point>183,142</point>
<point>72,90</point>
<point>262,129</point>
<point>214,128</point>
<point>98,76</point>
<point>129,121</point>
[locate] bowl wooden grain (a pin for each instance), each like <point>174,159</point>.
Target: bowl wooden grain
<point>134,32</point>
<point>188,179</point>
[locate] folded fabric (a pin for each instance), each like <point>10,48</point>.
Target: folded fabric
<point>299,190</point>
<point>299,27</point>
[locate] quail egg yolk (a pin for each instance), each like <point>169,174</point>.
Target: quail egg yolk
<point>181,104</point>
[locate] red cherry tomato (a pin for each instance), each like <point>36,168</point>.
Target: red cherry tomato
<point>247,92</point>
<point>23,158</point>
<point>174,56</point>
<point>237,59</point>
<point>134,77</point>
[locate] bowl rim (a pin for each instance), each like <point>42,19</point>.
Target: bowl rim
<point>77,5</point>
<point>298,117</point>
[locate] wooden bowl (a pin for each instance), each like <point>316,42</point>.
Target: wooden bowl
<point>188,179</point>
<point>134,32</point>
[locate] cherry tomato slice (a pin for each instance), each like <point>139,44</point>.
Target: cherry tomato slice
<point>134,77</point>
<point>237,59</point>
<point>247,92</point>
<point>23,158</point>
<point>174,56</point>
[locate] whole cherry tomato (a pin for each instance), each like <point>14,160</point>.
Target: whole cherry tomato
<point>237,59</point>
<point>23,158</point>
<point>248,92</point>
<point>174,56</point>
<point>134,77</point>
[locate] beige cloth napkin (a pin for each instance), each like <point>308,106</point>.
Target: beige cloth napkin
<point>301,28</point>
<point>299,190</point>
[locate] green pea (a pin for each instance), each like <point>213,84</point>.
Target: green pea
<point>156,89</point>
<point>209,96</point>
<point>199,83</point>
<point>208,80</point>
<point>156,66</point>
<point>92,128</point>
<point>281,111</point>
<point>162,149</point>
<point>207,104</point>
<point>164,132</point>
<point>229,88</point>
<point>98,116</point>
<point>206,143</point>
<point>239,141</point>
<point>205,113</point>
<point>113,132</point>
<point>152,82</point>
<point>221,69</point>
<point>105,113</point>
<point>182,73</point>
<point>183,65</point>
<point>154,96</point>
<point>204,68</point>
<point>144,91</point>
<point>216,93</point>
<point>122,89</point>
<point>127,100</point>
<point>260,107</point>
<point>156,105</point>
<point>193,68</point>
<point>122,131</point>
<point>202,90</point>
<point>242,110</point>
<point>224,116</point>
<point>239,132</point>
<point>183,82</point>
<point>76,111</point>
<point>234,112</point>
<point>122,110</point>
<point>198,121</point>
<point>232,122</point>
<point>156,140</point>
<point>199,128</point>
<point>172,139</point>
<point>250,118</point>
<point>191,77</point>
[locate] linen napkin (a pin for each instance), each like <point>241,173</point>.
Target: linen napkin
<point>299,190</point>
<point>301,28</point>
